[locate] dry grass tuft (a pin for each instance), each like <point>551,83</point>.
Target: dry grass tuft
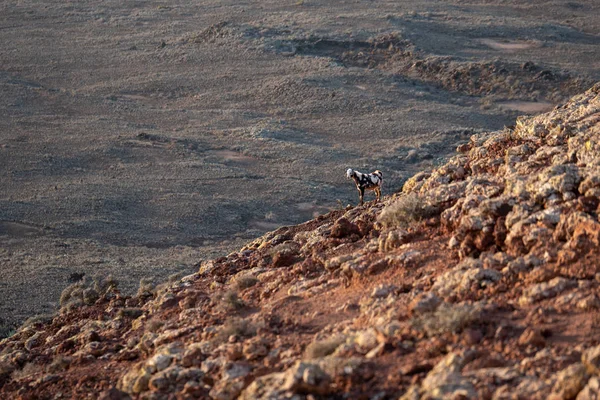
<point>236,327</point>
<point>6,369</point>
<point>153,325</point>
<point>231,301</point>
<point>147,288</point>
<point>245,281</point>
<point>40,319</point>
<point>6,329</point>
<point>323,348</point>
<point>407,210</point>
<point>105,284</point>
<point>131,312</point>
<point>87,293</point>
<point>27,370</point>
<point>448,318</point>
<point>59,364</point>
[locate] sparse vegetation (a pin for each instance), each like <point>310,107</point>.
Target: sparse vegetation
<point>6,370</point>
<point>85,292</point>
<point>153,325</point>
<point>405,211</point>
<point>447,318</point>
<point>237,326</point>
<point>72,294</point>
<point>174,278</point>
<point>242,282</point>
<point>6,329</point>
<point>105,284</point>
<point>231,301</point>
<point>147,288</point>
<point>38,319</point>
<point>284,248</point>
<point>27,370</point>
<point>59,364</point>
<point>132,312</point>
<point>323,348</point>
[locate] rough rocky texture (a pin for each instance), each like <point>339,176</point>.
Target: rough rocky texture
<point>490,291</point>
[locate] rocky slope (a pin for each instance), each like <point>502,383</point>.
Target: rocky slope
<point>479,280</point>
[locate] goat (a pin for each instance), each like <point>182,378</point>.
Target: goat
<point>372,181</point>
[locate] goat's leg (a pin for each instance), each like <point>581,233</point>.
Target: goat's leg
<point>361,195</point>
<point>378,193</point>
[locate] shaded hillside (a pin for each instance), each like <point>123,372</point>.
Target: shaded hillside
<point>479,280</point>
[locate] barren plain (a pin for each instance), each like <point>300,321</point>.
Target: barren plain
<point>139,138</point>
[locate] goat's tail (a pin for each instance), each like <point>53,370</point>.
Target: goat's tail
<point>349,173</point>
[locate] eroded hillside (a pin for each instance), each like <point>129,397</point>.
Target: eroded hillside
<point>478,280</point>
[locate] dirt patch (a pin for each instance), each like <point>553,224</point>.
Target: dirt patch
<point>509,45</point>
<point>528,107</point>
<point>13,229</point>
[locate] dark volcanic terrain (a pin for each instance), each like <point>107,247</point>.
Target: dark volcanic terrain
<point>138,138</point>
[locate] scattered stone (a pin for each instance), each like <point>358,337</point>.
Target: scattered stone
<point>114,394</point>
<point>393,240</point>
<point>424,303</point>
<point>569,382</point>
<point>383,290</point>
<point>591,391</point>
<point>546,290</point>
<point>532,337</point>
<point>591,359</point>
<point>445,381</point>
<point>343,228</point>
<point>461,278</point>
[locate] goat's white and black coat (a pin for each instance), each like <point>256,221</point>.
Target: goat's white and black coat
<point>372,181</point>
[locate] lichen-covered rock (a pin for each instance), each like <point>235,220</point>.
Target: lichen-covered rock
<point>445,381</point>
<point>393,240</point>
<point>227,389</point>
<point>134,381</point>
<point>424,303</point>
<point>546,290</point>
<point>569,382</point>
<point>302,377</point>
<point>342,228</point>
<point>591,359</point>
<point>460,278</point>
<point>591,391</point>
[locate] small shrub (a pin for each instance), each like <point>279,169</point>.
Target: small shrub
<point>6,369</point>
<point>448,318</point>
<point>59,364</point>
<point>103,285</point>
<point>131,312</point>
<point>284,248</point>
<point>154,325</point>
<point>6,329</point>
<point>85,292</point>
<point>147,288</point>
<point>237,326</point>
<point>405,211</point>
<point>39,319</point>
<point>72,293</point>
<point>245,282</point>
<point>323,348</point>
<point>270,216</point>
<point>90,296</point>
<point>231,301</point>
<point>27,370</point>
<point>174,278</point>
